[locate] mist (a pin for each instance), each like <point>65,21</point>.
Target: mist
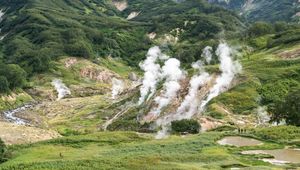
<point>207,54</point>
<point>61,89</point>
<point>229,69</point>
<point>192,103</point>
<point>152,73</point>
<point>117,88</point>
<point>172,74</point>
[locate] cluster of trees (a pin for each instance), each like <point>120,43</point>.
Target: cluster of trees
<point>11,77</point>
<point>185,125</point>
<point>205,21</point>
<point>288,109</point>
<point>39,35</point>
<point>264,34</point>
<point>263,28</point>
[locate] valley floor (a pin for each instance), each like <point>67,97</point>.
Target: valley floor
<point>131,150</point>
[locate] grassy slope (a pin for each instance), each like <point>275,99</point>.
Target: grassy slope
<point>129,150</point>
<point>265,10</point>
<point>263,69</point>
<point>90,102</point>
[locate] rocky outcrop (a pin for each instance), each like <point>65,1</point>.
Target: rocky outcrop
<point>103,76</point>
<point>70,61</point>
<point>120,5</point>
<point>133,77</point>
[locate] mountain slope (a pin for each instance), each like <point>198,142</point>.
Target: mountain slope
<point>264,10</point>
<point>76,66</point>
<point>37,32</point>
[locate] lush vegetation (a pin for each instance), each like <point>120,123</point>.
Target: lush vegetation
<point>185,126</point>
<point>288,109</point>
<point>38,32</point>
<point>3,152</point>
<point>128,150</point>
<point>263,10</point>
<point>283,134</point>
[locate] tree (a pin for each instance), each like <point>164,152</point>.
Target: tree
<point>260,28</point>
<point>289,109</point>
<point>15,75</point>
<point>4,85</point>
<point>190,126</point>
<point>3,152</point>
<point>280,26</point>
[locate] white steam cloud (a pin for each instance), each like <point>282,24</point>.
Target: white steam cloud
<point>192,103</point>
<point>207,54</point>
<point>262,115</point>
<point>61,89</point>
<point>229,69</point>
<point>173,74</point>
<point>117,88</point>
<point>152,72</point>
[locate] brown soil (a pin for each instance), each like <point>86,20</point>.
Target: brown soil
<point>290,54</point>
<point>15,134</point>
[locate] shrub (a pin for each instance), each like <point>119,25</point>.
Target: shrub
<point>4,86</point>
<point>3,152</point>
<point>190,126</point>
<point>260,28</point>
<point>289,109</point>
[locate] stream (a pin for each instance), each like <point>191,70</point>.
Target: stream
<point>10,115</point>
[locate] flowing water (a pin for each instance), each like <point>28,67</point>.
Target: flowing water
<point>11,115</point>
<point>239,141</point>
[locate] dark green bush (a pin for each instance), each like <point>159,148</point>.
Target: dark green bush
<point>190,126</point>
<point>3,152</point>
<point>4,86</point>
<point>289,109</point>
<point>260,28</point>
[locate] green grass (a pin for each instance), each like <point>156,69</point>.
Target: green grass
<point>14,100</point>
<point>266,79</point>
<point>129,150</point>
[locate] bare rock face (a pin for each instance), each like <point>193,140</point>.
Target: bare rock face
<point>133,15</point>
<point>120,5</point>
<point>70,61</point>
<point>103,76</point>
<point>151,35</point>
<point>133,77</point>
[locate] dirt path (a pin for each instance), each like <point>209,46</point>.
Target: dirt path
<point>18,134</point>
<point>119,114</point>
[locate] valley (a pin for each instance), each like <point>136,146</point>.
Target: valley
<point>137,84</point>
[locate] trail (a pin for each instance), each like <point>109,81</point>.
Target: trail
<point>119,114</point>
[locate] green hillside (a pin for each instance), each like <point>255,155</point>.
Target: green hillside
<point>72,76</point>
<point>38,32</point>
<point>264,10</point>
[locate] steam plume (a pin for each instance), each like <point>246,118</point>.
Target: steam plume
<point>173,74</point>
<point>229,69</point>
<point>117,87</point>
<point>61,89</point>
<point>190,103</point>
<point>207,54</point>
<point>152,72</point>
